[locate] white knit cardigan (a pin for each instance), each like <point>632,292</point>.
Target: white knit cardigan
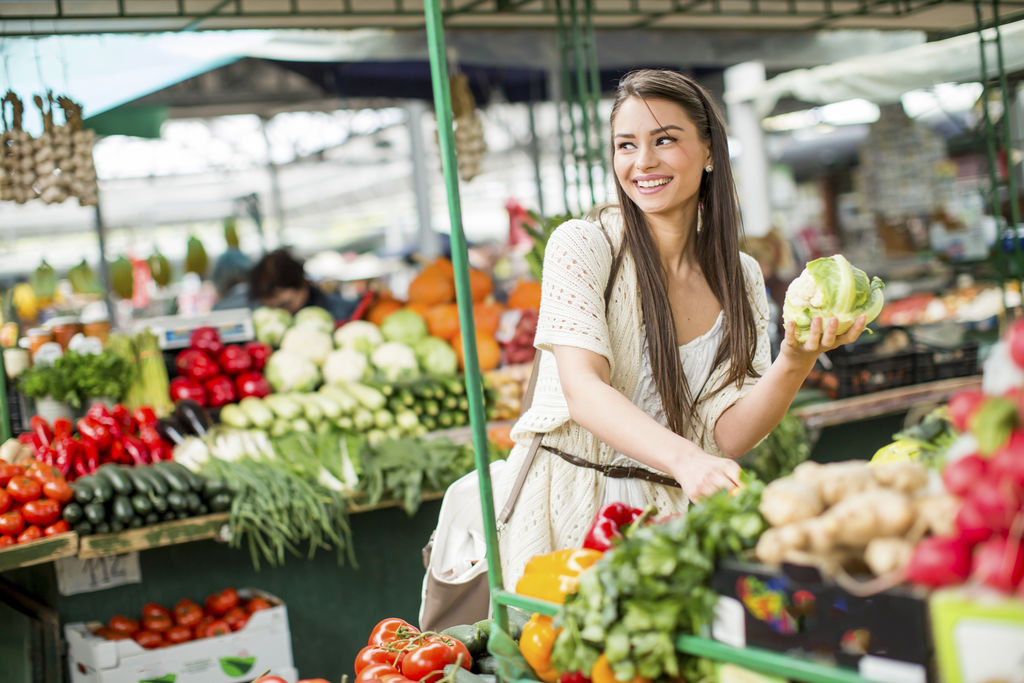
<point>559,500</point>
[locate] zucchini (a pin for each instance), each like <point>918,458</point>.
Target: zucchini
<point>195,481</point>
<point>142,504</point>
<point>220,502</point>
<point>120,482</point>
<point>156,482</point>
<point>212,487</point>
<point>473,638</point>
<point>177,501</point>
<point>194,501</point>
<point>117,526</point>
<point>122,510</point>
<point>203,510</point>
<point>152,518</point>
<point>95,513</point>
<point>135,522</point>
<point>174,480</point>
<point>139,481</point>
<point>182,514</point>
<point>159,503</point>
<point>102,528</point>
<point>169,516</point>
<point>102,491</point>
<point>82,491</point>
<point>73,513</point>
<point>83,528</point>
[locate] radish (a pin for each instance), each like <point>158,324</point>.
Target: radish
<point>939,561</point>
<point>1007,465</point>
<point>962,407</point>
<point>961,476</point>
<point>1015,340</point>
<point>999,563</point>
<point>971,525</point>
<point>995,502</point>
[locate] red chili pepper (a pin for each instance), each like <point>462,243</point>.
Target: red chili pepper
<point>124,419</point>
<point>92,430</point>
<point>41,429</point>
<point>68,455</point>
<point>99,413</point>
<point>98,410</point>
<point>117,453</point>
<point>91,457</point>
<point>47,455</point>
<point>206,339</point>
<point>234,360</point>
<point>606,529</point>
<point>150,437</point>
<point>258,352</point>
<point>62,428</point>
<point>144,416</point>
<point>81,464</point>
<point>136,450</point>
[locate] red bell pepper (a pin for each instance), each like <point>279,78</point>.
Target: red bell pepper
<point>252,384</point>
<point>234,360</point>
<point>25,438</point>
<point>187,388</point>
<point>220,391</point>
<point>41,430</point>
<point>574,677</point>
<point>47,455</point>
<point>144,417</point>
<point>258,352</point>
<point>136,450</point>
<point>80,463</point>
<point>197,364</point>
<point>154,444</point>
<point>62,429</point>
<point>124,419</point>
<point>608,525</point>
<point>206,339</point>
<point>91,457</point>
<point>91,430</point>
<point>101,414</point>
<point>117,453</point>
<point>67,454</point>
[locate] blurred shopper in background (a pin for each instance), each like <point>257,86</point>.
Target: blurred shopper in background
<point>279,280</point>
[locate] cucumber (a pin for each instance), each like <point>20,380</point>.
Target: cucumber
<point>177,501</point>
<point>82,491</point>
<point>220,502</point>
<point>102,528</point>
<point>156,482</point>
<point>120,482</point>
<point>174,480</point>
<point>102,491</point>
<point>117,526</point>
<point>194,501</point>
<point>152,518</point>
<point>196,481</point>
<point>212,487</point>
<point>160,505</point>
<point>73,513</point>
<point>459,675</point>
<point>139,481</point>
<point>83,528</point>
<point>95,513</point>
<point>122,510</point>
<point>135,522</point>
<point>470,636</point>
<point>169,516</point>
<point>182,514</point>
<point>203,510</point>
<point>486,665</point>
<point>141,504</point>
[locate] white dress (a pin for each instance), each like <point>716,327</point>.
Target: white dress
<point>697,356</point>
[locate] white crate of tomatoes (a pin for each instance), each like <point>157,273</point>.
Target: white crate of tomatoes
<point>233,636</point>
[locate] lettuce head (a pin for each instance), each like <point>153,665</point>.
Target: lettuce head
<point>831,286</point>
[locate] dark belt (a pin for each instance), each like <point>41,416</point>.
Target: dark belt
<point>615,471</point>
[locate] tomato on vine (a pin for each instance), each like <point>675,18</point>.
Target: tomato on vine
<point>389,630</point>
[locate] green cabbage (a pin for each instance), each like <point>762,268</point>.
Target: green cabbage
<point>404,326</point>
<point>831,286</point>
<point>436,356</point>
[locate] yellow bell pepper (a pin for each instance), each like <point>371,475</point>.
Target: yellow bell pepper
<point>603,673</point>
<point>553,576</point>
<point>536,642</point>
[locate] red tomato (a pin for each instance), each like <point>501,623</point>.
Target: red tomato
<point>389,630</point>
<point>376,672</point>
<point>314,680</point>
<point>42,512</point>
<point>5,501</point>
<point>42,472</point>
<point>6,540</point>
<point>426,663</point>
<point>148,639</point>
<point>222,603</point>
<point>199,631</point>
<point>270,679</point>
<point>151,609</point>
<point>58,490</point>
<point>11,523</point>
<point>217,627</point>
<point>9,471</point>
<point>31,533</point>
<point>256,604</point>
<point>110,634</point>
<point>24,489</point>
<point>188,613</point>
<point>123,624</point>
<point>157,622</point>
<point>59,527</point>
<point>236,617</point>
<point>178,634</point>
<point>374,655</point>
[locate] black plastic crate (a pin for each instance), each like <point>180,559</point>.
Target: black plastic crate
<point>938,362</point>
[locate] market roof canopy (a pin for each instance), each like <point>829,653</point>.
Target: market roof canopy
<point>885,78</point>
<point>97,16</point>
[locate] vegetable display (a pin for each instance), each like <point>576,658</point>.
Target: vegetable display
<point>74,378</point>
<point>214,374</point>
<point>831,286</point>
<point>32,497</point>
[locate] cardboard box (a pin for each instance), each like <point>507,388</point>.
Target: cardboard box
<point>264,643</point>
<point>884,637</point>
<point>979,636</point>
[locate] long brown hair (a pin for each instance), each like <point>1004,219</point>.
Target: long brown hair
<point>716,247</point>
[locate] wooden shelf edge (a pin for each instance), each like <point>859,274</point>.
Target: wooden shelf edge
<point>153,536</point>
<point>39,551</point>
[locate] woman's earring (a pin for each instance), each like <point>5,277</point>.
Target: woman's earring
<point>709,168</point>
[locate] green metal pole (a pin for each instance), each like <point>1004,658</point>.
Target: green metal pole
<point>5,414</point>
<point>463,294</point>
<point>582,100</point>
<point>570,98</point>
<point>595,91</point>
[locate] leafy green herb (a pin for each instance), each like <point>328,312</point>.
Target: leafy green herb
<point>643,594</point>
<point>74,378</point>
<point>783,449</point>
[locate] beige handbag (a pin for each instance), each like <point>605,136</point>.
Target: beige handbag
<point>455,588</point>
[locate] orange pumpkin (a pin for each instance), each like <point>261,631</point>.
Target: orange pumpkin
<point>526,294</point>
<point>500,435</point>
<point>486,317</point>
<point>431,288</point>
<point>441,267</point>
<point>480,284</point>
<point>420,308</point>
<point>488,353</point>
<point>443,320</point>
<point>381,309</point>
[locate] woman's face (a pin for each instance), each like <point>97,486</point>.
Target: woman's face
<point>658,156</point>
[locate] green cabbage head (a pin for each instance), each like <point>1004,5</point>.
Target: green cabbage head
<point>831,286</point>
